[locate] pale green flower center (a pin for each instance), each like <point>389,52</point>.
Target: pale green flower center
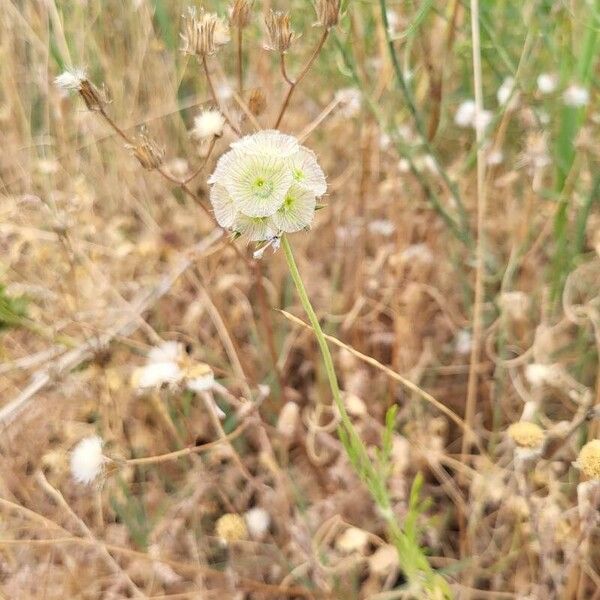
<point>299,175</point>
<point>262,188</point>
<point>289,201</point>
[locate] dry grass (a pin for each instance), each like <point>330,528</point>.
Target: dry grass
<point>111,260</point>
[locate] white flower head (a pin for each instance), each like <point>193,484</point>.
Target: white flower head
<point>505,91</point>
<point>71,79</point>
<point>267,184</point>
<point>576,96</point>
<point>547,83</point>
<point>208,124</point>
<point>258,521</point>
<point>349,100</point>
<point>87,460</point>
<point>465,114</point>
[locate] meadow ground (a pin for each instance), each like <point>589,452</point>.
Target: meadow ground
<point>169,428</point>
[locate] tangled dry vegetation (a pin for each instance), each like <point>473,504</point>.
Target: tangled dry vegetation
<point>458,282</point>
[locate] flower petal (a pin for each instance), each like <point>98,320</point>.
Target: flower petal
<point>270,142</point>
<point>307,172</point>
<point>298,210</point>
<point>255,229</point>
<point>223,206</point>
<point>258,184</point>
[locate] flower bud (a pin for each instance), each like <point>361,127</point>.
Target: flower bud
<point>526,434</point>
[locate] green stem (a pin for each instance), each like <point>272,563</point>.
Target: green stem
<point>314,321</point>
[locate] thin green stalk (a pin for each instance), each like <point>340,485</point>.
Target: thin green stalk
<point>413,560</point>
<point>314,321</point>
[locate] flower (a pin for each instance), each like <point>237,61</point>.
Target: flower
<point>71,79</point>
<point>349,100</point>
<point>208,124</point>
<point>231,527</point>
<point>258,521</point>
<point>203,33</point>
<point>547,83</point>
<point>538,374</point>
<point>168,364</point>
<point>589,459</point>
<point>526,434</point>
<point>467,115</point>
<point>576,96</point>
<point>87,460</point>
<point>265,185</point>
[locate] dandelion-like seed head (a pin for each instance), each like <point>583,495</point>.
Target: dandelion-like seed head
<point>547,83</point>
<point>231,527</point>
<point>258,521</point>
<point>280,32</point>
<point>76,79</point>
<point>266,185</point>
<point>589,459</point>
<point>576,96</point>
<point>71,79</point>
<point>208,124</point>
<point>87,461</point>
<point>203,32</point>
<point>526,434</point>
<point>328,13</point>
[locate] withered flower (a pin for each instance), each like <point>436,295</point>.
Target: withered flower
<point>281,34</point>
<point>203,33</point>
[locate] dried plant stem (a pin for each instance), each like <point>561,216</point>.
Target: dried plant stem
<point>473,379</point>
<point>215,98</point>
<point>111,562</point>
<point>480,247</point>
<point>240,60</point>
<point>169,456</point>
<point>392,374</point>
<point>283,69</point>
<point>294,84</point>
<point>267,322</point>
<point>198,170</point>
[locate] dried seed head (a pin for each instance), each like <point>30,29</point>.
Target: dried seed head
<point>76,79</point>
<point>208,124</point>
<point>280,31</point>
<point>526,434</point>
<point>231,527</point>
<point>148,152</point>
<point>203,33</point>
<point>589,459</point>
<point>328,13</point>
<point>257,102</point>
<point>239,13</point>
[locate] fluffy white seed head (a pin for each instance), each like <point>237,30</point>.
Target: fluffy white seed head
<point>505,90</point>
<point>547,83</point>
<point>465,114</point>
<point>87,460</point>
<point>266,185</point>
<point>576,96</point>
<point>258,521</point>
<point>71,79</point>
<point>208,124</point>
